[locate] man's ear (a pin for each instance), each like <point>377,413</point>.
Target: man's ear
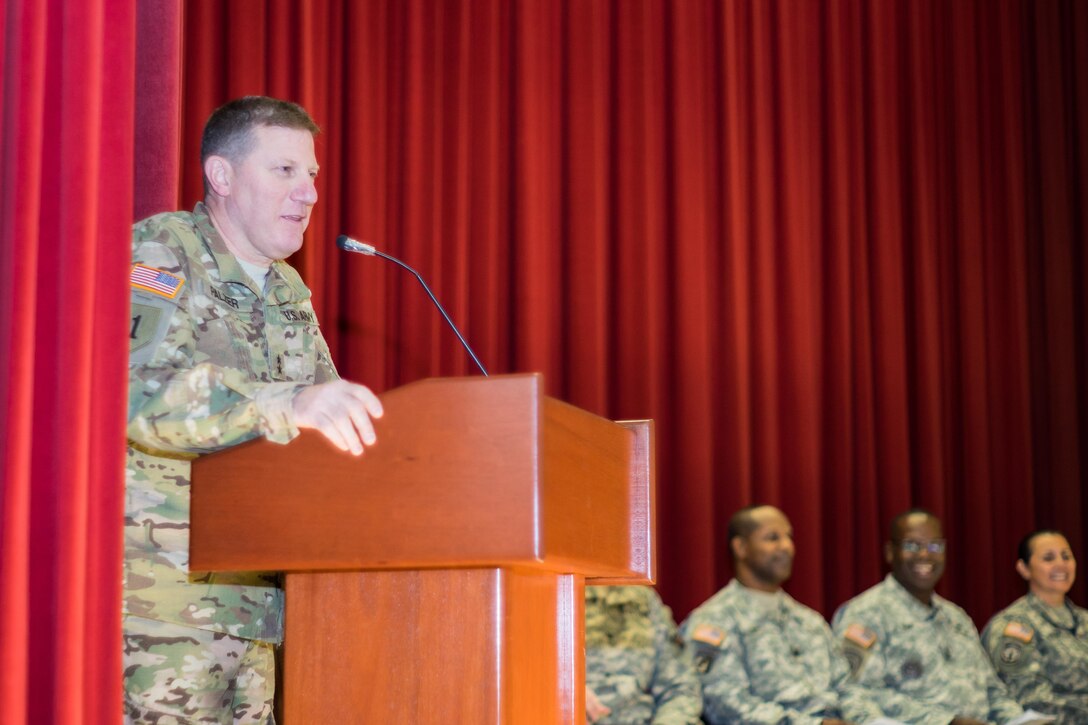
<point>889,552</point>
<point>219,174</point>
<point>739,547</point>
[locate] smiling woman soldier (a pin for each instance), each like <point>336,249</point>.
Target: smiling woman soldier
<point>1039,644</point>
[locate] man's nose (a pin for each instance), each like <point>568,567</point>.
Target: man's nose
<point>306,193</point>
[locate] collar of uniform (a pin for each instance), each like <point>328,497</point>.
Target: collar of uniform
<point>909,604</point>
<point>759,605</point>
<point>283,286</point>
<point>229,269</point>
<point>1065,617</point>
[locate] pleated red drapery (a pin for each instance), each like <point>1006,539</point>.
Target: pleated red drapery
<point>835,250</point>
<point>66,157</point>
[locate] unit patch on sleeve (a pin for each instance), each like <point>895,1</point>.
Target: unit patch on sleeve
<point>150,323</point>
<point>1011,654</point>
<point>707,641</point>
<point>155,280</point>
<point>856,646</point>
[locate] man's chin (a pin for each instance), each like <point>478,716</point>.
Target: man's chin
<point>287,249</point>
<point>925,584</point>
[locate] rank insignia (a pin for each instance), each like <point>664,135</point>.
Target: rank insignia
<point>155,280</point>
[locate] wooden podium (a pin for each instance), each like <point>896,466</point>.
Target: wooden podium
<point>439,577</point>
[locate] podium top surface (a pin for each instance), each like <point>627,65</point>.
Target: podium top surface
<point>467,472</point>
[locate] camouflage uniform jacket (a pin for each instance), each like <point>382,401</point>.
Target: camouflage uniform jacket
<point>634,661</point>
<point>763,658</point>
<point>1042,655</point>
<point>213,362</point>
<point>914,663</point>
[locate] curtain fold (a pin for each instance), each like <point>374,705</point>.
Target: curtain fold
<point>67,165</point>
<point>834,250</point>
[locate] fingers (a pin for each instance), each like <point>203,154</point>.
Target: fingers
<point>357,428</point>
<point>341,411</point>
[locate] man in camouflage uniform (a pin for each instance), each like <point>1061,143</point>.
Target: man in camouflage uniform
<point>225,347</point>
<point>636,669</point>
<point>762,656</point>
<point>914,656</point>
<point>1039,644</point>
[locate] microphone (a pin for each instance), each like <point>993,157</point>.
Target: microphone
<point>348,244</point>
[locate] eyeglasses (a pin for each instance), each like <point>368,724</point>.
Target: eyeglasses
<point>936,546</point>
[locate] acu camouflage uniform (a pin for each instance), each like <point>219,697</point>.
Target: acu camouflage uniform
<point>634,662</point>
<point>916,664</point>
<point>1041,653</point>
<point>214,361</point>
<point>764,658</point>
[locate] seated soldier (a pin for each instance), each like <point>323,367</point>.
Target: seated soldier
<point>636,669</point>
<point>762,657</point>
<point>1039,644</point>
<point>914,656</point>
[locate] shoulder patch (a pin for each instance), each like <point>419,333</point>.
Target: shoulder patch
<point>1018,630</point>
<point>150,323</point>
<point>1011,655</point>
<point>709,634</point>
<point>860,635</point>
<point>155,280</point>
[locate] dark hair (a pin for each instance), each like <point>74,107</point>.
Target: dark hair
<point>229,130</point>
<point>743,523</point>
<point>1023,551</point>
<point>898,519</point>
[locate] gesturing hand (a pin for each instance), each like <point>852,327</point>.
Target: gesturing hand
<point>342,411</point>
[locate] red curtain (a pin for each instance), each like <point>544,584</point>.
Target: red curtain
<point>834,249</point>
<point>66,157</point>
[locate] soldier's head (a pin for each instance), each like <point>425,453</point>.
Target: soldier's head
<point>1047,564</point>
<point>230,130</point>
<point>915,551</point>
<point>260,168</point>
<point>761,542</point>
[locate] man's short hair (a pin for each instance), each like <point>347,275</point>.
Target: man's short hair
<point>898,519</point>
<point>229,130</point>
<point>1023,551</point>
<point>743,523</point>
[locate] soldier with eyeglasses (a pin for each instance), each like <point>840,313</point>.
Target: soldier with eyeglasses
<point>914,656</point>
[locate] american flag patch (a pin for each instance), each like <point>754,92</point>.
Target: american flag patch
<point>1019,631</point>
<point>708,633</point>
<point>155,280</point>
<point>859,635</point>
